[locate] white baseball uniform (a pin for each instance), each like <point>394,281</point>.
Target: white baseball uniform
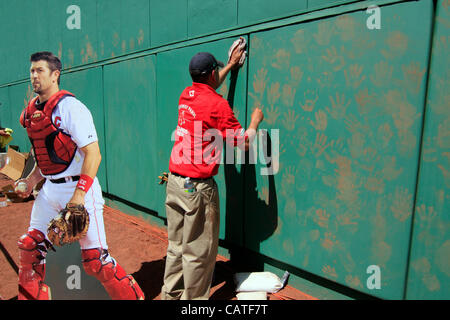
<point>75,119</point>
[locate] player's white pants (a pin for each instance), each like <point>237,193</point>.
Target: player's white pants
<point>54,197</point>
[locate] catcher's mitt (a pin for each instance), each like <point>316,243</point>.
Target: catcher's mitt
<point>70,225</point>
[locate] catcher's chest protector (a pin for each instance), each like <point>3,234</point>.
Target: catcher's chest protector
<point>54,150</point>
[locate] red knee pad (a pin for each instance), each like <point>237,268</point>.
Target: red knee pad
<point>113,277</point>
<point>32,251</point>
<point>95,264</point>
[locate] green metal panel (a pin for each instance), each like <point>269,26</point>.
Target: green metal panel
<point>123,27</point>
<point>251,11</point>
<point>5,108</point>
<point>429,268</point>
<point>56,19</point>
<point>348,103</point>
<point>22,37</point>
<point>87,86</point>
<point>130,125</point>
<point>6,42</point>
<point>19,95</point>
<point>168,21</point>
<point>208,16</point>
<point>173,76</point>
<point>315,4</point>
<point>73,46</point>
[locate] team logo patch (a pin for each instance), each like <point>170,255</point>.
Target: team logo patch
<point>58,121</point>
<point>36,115</point>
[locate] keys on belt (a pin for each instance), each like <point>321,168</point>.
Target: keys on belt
<point>193,179</point>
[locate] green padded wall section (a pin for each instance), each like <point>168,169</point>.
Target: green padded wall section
<point>87,85</point>
<point>348,103</point>
<point>429,271</point>
<point>130,125</point>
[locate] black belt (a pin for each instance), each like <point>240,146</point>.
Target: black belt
<point>66,179</point>
<point>194,179</point>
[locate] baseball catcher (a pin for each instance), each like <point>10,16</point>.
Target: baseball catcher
<point>69,207</point>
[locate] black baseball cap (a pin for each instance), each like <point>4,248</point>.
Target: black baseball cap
<point>203,63</point>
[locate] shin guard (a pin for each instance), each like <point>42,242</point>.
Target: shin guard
<point>117,283</point>
<point>32,251</point>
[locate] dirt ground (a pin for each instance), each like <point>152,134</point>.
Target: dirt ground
<point>145,261</point>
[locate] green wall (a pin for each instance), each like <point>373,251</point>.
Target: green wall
<point>360,119</point>
<point>429,271</point>
<point>349,142</point>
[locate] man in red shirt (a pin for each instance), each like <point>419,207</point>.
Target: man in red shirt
<point>205,120</point>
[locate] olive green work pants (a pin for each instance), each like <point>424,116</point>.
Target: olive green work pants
<point>193,232</point>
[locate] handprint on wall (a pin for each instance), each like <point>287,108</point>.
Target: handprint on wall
<point>320,144</point>
<point>320,122</point>
<point>353,76</point>
<point>281,60</point>
<point>397,43</point>
<point>413,76</point>
<point>426,215</point>
<point>336,60</point>
<point>311,98</point>
<point>322,218</point>
<point>329,271</point>
<point>383,74</point>
<point>274,93</point>
<point>402,204</point>
<point>346,27</point>
<point>271,115</point>
<point>364,101</point>
<point>296,76</point>
<point>300,41</point>
<point>325,30</point>
<point>290,118</point>
<point>259,85</point>
<point>329,241</point>
<point>338,106</point>
<point>288,95</point>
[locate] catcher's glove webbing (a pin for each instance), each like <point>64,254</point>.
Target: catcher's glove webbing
<point>70,225</point>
